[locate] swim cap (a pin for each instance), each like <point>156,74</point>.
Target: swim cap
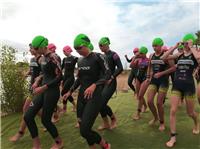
<point>143,50</point>
<point>67,49</point>
<point>135,50</point>
<point>157,42</point>
<point>91,47</point>
<point>104,41</point>
<point>39,42</point>
<point>81,40</point>
<point>180,47</point>
<point>189,37</point>
<point>51,47</point>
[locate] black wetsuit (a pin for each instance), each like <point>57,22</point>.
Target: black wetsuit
<point>132,75</point>
<point>183,80</point>
<point>115,65</point>
<point>47,101</point>
<point>35,70</point>
<point>92,69</point>
<point>68,65</point>
<point>159,65</point>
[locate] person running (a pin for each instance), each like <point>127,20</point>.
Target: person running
<point>186,63</point>
<point>34,72</point>
<point>142,64</point>
<point>68,65</point>
<point>93,73</point>
<point>158,75</point>
<point>46,96</point>
<point>115,65</point>
<point>133,72</point>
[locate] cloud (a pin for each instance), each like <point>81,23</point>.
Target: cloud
<point>128,23</point>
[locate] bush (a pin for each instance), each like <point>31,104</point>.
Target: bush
<point>13,84</point>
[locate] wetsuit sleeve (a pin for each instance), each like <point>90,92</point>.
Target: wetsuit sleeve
<point>118,63</point>
<point>58,71</point>
<point>128,60</point>
<point>76,84</point>
<point>104,67</point>
<point>63,64</point>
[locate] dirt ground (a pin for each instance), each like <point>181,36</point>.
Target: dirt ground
<point>122,81</point>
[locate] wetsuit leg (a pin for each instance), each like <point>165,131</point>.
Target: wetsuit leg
<point>130,79</point>
<point>107,93</point>
<point>67,85</point>
<point>90,111</point>
<point>51,97</point>
<point>30,114</point>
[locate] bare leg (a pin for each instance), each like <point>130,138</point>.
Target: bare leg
<point>160,99</point>
<point>193,115</point>
<point>174,101</point>
<point>150,97</point>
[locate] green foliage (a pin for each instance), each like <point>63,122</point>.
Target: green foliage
<point>13,84</point>
<point>198,38</point>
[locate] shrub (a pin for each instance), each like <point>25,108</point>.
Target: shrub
<point>13,83</point>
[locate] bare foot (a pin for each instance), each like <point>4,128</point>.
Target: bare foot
<point>103,127</point>
<point>77,125</point>
<point>196,130</point>
<point>171,142</point>
<point>161,127</point>
<point>57,145</point>
<point>136,117</point>
<point>113,123</point>
<point>16,137</point>
<point>153,121</point>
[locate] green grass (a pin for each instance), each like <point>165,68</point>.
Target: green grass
<point>128,135</point>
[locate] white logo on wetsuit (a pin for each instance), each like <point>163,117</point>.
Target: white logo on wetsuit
<point>186,62</point>
<point>161,62</point>
<point>84,68</point>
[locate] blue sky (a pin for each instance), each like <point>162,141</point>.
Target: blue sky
<point>128,23</point>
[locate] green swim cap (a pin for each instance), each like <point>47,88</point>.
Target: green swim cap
<point>81,40</point>
<point>180,47</point>
<point>157,42</point>
<point>143,50</point>
<point>104,41</point>
<point>91,47</point>
<point>189,37</point>
<point>39,42</point>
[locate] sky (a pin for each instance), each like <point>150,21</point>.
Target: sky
<point>128,23</point>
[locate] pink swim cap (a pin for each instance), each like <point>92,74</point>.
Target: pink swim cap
<point>135,50</point>
<point>67,49</point>
<point>164,48</point>
<point>51,47</point>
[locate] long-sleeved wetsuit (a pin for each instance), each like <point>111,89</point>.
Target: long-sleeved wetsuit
<point>91,69</point>
<point>47,101</point>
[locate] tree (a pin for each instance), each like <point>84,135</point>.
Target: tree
<point>13,84</point>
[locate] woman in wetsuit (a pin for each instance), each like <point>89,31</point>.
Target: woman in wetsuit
<point>46,95</point>
<point>93,73</point>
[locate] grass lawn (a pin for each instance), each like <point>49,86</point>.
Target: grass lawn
<point>128,135</point>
